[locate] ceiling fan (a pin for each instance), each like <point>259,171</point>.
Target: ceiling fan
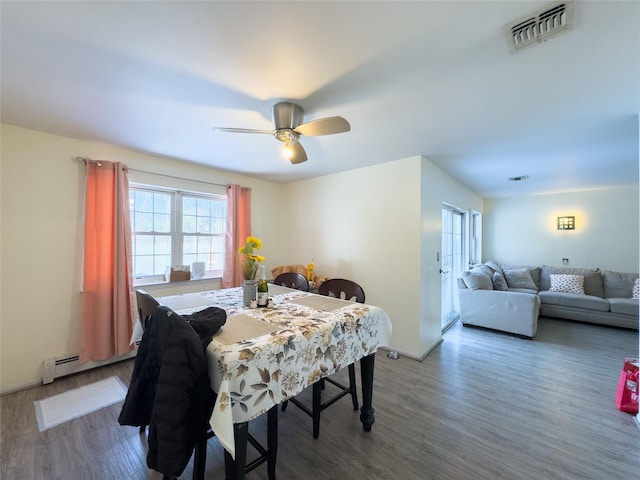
<point>288,128</point>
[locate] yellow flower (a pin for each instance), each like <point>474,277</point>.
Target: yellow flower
<point>255,242</point>
<point>251,260</point>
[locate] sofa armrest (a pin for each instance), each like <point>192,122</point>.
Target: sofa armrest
<point>512,312</point>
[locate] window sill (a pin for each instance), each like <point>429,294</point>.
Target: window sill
<point>164,284</point>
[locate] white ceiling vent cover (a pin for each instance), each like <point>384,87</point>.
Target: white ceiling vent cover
<point>556,18</point>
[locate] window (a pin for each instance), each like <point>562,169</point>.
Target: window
<point>173,228</point>
<point>475,250</point>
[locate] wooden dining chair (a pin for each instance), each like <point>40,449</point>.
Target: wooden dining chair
<point>146,305</point>
<point>343,289</point>
<point>292,280</point>
<point>346,290</point>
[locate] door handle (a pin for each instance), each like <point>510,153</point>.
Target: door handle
<point>444,271</point>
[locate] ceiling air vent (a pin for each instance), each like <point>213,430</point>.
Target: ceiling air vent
<point>518,179</point>
<point>539,26</point>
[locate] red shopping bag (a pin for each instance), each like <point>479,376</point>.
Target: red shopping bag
<point>627,394</point>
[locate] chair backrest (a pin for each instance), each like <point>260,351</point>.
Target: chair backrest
<point>292,280</point>
<point>146,305</point>
<point>342,288</point>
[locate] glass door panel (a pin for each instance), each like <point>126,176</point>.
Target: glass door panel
<point>451,263</point>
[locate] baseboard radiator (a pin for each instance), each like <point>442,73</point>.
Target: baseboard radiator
<point>60,367</point>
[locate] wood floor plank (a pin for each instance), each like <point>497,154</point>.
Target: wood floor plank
<point>484,406</point>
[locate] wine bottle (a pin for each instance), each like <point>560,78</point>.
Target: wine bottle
<point>263,287</point>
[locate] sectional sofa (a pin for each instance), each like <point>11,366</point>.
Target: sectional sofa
<point>510,298</point>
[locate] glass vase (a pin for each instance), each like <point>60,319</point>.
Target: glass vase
<point>249,292</point>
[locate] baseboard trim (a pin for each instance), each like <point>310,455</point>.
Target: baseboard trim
<point>419,358</point>
<point>20,388</point>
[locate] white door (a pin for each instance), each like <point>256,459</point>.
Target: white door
<point>452,262</point>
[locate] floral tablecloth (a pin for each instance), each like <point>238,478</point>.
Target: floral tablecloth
<point>309,337</point>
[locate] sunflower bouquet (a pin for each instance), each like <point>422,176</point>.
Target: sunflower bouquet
<point>251,260</point>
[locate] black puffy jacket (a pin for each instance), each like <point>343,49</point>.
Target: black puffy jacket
<point>169,389</point>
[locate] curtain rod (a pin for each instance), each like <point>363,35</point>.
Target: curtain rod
<point>85,160</point>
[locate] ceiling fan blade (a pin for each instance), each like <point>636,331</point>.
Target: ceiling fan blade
<point>299,155</point>
<point>323,126</point>
<point>241,130</point>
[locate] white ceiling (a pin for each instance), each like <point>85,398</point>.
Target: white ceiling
<point>413,78</point>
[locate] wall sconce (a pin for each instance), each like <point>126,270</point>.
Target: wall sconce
<point>566,223</point>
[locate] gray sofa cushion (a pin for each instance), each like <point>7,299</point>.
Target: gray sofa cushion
<point>589,302</point>
<point>476,279</point>
<point>617,284</point>
<point>530,291</point>
<point>627,306</point>
<point>592,278</point>
<point>483,269</point>
<point>533,271</point>
<point>494,266</point>
<point>499,283</point>
<point>519,278</point>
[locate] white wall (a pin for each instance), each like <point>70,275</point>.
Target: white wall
<point>365,225</point>
<point>41,237</point>
<point>438,187</point>
<point>523,230</point>
<point>380,226</point>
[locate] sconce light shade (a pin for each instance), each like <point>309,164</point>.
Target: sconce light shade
<point>566,223</point>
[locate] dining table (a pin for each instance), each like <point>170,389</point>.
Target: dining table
<point>262,357</point>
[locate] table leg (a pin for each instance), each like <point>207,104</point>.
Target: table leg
<point>235,469</point>
<point>366,373</point>
<point>272,441</point>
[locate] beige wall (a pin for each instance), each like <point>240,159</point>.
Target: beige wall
<point>380,226</point>
<point>41,237</point>
<point>523,230</point>
<point>437,187</point>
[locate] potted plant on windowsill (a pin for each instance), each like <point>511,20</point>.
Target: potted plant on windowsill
<point>250,264</point>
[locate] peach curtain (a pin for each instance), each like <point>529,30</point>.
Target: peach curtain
<point>108,310</point>
<point>237,231</point>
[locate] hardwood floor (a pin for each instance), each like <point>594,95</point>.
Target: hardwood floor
<point>483,405</point>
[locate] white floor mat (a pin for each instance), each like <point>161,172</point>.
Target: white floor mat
<point>75,403</point>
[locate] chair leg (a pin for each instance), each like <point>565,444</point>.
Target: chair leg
<point>200,457</point>
<point>317,404</point>
<point>352,386</point>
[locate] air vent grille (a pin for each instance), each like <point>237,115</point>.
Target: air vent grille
<point>519,178</point>
<point>541,25</point>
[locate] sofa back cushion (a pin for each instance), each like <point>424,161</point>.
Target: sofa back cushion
<point>534,272</point>
<point>592,278</point>
<point>617,284</point>
<point>477,279</point>
<point>494,267</point>
<point>519,278</point>
<point>499,283</point>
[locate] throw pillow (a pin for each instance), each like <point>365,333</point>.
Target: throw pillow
<point>519,278</point>
<point>475,280</point>
<point>494,267</point>
<point>636,289</point>
<point>565,283</point>
<point>499,283</point>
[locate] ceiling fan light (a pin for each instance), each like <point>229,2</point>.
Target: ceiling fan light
<point>287,150</point>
